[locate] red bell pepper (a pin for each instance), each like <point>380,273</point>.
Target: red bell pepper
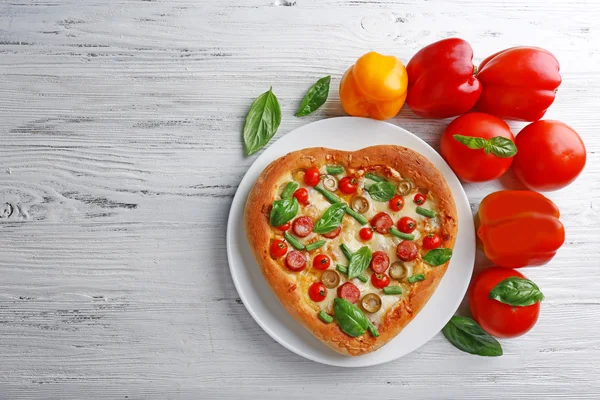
<point>440,79</point>
<point>518,83</point>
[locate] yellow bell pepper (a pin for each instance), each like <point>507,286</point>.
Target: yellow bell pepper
<point>374,87</point>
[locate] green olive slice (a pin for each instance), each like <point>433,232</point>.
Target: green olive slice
<point>330,183</point>
<point>405,187</point>
<point>330,278</point>
<point>398,270</point>
<point>371,302</point>
<point>360,204</point>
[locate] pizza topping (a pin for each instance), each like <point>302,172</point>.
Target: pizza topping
<point>359,262</point>
<point>334,233</point>
<point>405,187</point>
<point>282,211</point>
<point>351,319</point>
<point>432,241</point>
<point>323,316</point>
<point>381,191</point>
<point>334,169</point>
<point>407,250</point>
<point>317,292</point>
<point>303,226</point>
<point>425,212</point>
<point>315,245</point>
<point>360,204</point>
<point>392,290</point>
<point>371,303</point>
<point>278,248</point>
<point>348,185</point>
<point>374,178</point>
<point>330,183</point>
<point>401,235</point>
<point>406,224</point>
<point>382,223</point>
<point>396,203</point>
<point>380,262</point>
<point>289,190</point>
<point>437,257</point>
<point>333,199</point>
<point>349,292</point>
<point>321,261</point>
<point>380,280</point>
<point>419,198</point>
<point>365,234</point>
<point>295,261</point>
<point>344,270</point>
<point>398,270</point>
<point>312,176</point>
<point>293,241</point>
<point>284,227</point>
<point>416,278</point>
<point>331,219</point>
<point>302,196</point>
<point>330,279</point>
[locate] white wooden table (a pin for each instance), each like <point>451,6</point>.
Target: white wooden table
<point>120,152</point>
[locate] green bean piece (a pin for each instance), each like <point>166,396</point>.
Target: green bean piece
<point>293,241</point>
<point>330,197</point>
<point>363,278</point>
<point>346,250</point>
<point>401,235</point>
<point>372,329</point>
<point>342,269</point>
<point>335,169</point>
<point>315,245</point>
<point>374,177</point>
<point>425,212</point>
<point>325,317</point>
<point>416,278</point>
<point>361,219</point>
<point>392,290</point>
<point>289,190</point>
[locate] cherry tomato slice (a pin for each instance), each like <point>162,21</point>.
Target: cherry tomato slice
<point>419,198</point>
<point>321,261</point>
<point>285,226</point>
<point>365,234</point>
<point>432,241</point>
<point>302,196</point>
<point>406,224</point>
<point>278,248</point>
<point>317,292</point>
<point>348,185</point>
<point>312,176</point>
<point>396,203</point>
<point>380,280</point>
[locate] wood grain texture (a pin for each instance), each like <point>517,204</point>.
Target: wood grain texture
<point>120,152</point>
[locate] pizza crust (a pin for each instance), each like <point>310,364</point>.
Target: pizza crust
<point>409,164</point>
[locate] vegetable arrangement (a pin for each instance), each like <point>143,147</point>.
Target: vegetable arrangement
<point>515,228</point>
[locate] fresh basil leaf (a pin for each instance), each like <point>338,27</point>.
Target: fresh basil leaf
<point>437,257</point>
<point>283,210</point>
<point>315,97</point>
<point>359,261</point>
<point>381,191</point>
<point>500,147</point>
<point>262,122</point>
<point>289,190</point>
<point>516,291</point>
<point>331,219</point>
<point>416,278</point>
<point>351,319</point>
<point>466,335</point>
<point>470,141</point>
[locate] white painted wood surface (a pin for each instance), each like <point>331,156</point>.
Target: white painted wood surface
<point>120,152</point>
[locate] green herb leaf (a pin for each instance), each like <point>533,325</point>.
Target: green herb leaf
<point>283,210</point>
<point>334,169</point>
<point>437,257</point>
<point>289,190</point>
<point>416,278</point>
<point>359,262</point>
<point>262,122</point>
<point>315,97</point>
<point>351,319</point>
<point>500,147</point>
<point>516,291</point>
<point>331,219</point>
<point>381,191</point>
<point>466,335</point>
<point>470,141</point>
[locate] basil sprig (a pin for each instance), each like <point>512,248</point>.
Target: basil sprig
<point>516,291</point>
<point>498,146</point>
<point>262,122</point>
<point>437,257</point>
<point>315,97</point>
<point>381,191</point>
<point>283,210</point>
<point>351,319</point>
<point>466,335</point>
<point>359,261</point>
<point>331,219</point>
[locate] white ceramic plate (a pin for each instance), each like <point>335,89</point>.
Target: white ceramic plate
<point>347,133</point>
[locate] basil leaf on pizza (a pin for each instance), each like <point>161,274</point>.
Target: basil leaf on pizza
<point>516,291</point>
<point>437,257</point>
<point>351,319</point>
<point>381,191</point>
<point>466,335</point>
<point>331,219</point>
<point>359,261</point>
<point>283,210</point>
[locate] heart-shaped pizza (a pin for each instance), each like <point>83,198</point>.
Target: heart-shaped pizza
<point>352,243</point>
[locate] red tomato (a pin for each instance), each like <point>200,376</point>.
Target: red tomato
<point>302,196</point>
<point>432,241</point>
<point>396,203</point>
<point>406,224</point>
<point>317,292</point>
<point>419,198</point>
<point>348,185</point>
<point>365,234</point>
<point>285,226</point>
<point>496,318</point>
<point>321,262</point>
<point>551,155</point>
<point>474,165</point>
<point>312,176</point>
<point>278,248</point>
<point>380,280</point>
